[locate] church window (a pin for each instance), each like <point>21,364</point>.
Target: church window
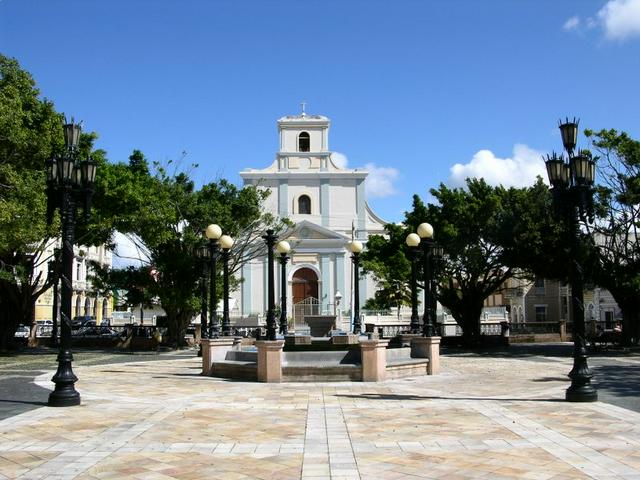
<point>304,142</point>
<point>304,204</point>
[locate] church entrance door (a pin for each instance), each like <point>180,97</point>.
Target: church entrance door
<point>304,296</point>
<point>305,285</point>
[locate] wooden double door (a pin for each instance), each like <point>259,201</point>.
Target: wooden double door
<point>304,285</point>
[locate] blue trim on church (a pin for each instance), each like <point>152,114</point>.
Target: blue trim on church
<point>283,198</point>
<point>340,280</point>
<point>246,289</point>
<point>325,269</point>
<point>361,210</point>
<point>325,203</point>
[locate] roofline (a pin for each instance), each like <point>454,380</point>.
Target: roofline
<point>262,175</point>
<point>374,215</point>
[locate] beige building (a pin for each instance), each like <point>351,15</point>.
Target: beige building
<point>83,302</point>
<point>546,300</point>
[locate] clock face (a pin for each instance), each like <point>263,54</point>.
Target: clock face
<point>305,163</point>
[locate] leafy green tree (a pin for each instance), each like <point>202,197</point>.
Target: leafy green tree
<point>489,234</point>
<point>386,259</point>
<point>166,216</point>
<point>30,131</point>
<point>616,231</point>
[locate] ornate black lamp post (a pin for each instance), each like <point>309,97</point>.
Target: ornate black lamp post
<point>54,273</point>
<point>425,231</point>
<point>226,242</point>
<point>413,240</point>
<point>572,190</point>
<point>69,182</point>
<point>437,252</point>
<point>270,239</point>
<point>202,253</point>
<point>283,248</point>
<point>213,233</point>
<point>356,248</point>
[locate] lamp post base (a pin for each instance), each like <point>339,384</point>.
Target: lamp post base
<point>581,393</point>
<point>581,389</point>
<point>64,394</point>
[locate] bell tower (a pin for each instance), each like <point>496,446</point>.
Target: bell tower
<point>304,142</point>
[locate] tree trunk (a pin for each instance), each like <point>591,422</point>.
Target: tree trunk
<point>630,306</point>
<point>630,325</point>
<point>470,317</point>
<point>17,308</point>
<point>177,322</point>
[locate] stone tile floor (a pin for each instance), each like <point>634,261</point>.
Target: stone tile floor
<point>493,418</point>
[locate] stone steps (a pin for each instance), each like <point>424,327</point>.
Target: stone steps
<point>236,369</point>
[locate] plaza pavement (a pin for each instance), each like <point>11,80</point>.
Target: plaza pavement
<point>482,417</point>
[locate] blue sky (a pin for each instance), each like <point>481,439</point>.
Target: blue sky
<point>412,87</point>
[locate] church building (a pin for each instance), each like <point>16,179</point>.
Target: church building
<point>328,206</point>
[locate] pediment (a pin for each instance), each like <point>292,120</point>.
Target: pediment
<point>306,230</point>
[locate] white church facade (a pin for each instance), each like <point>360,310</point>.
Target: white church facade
<point>328,206</point>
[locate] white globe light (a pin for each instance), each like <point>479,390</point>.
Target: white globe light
<point>226,241</point>
<point>283,247</point>
<point>425,230</point>
<point>413,240</point>
<point>355,246</point>
<point>213,232</point>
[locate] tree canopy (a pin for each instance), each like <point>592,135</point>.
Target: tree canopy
<point>30,131</point>
<point>488,234</point>
<point>165,215</point>
<point>615,232</point>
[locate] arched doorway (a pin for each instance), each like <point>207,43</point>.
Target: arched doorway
<point>304,296</point>
<point>304,285</point>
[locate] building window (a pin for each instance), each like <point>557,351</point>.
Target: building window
<point>564,307</point>
<point>78,306</point>
<point>304,205</point>
<point>105,307</point>
<point>304,142</point>
<point>541,313</point>
<point>608,319</point>
<point>538,286</point>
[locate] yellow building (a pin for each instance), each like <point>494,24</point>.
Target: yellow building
<point>83,302</point>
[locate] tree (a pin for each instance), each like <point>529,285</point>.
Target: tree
<point>488,234</point>
<point>386,259</point>
<point>30,132</point>
<point>166,216</point>
<point>616,231</point>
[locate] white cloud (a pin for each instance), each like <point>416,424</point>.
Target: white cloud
<point>127,252</point>
<point>519,171</point>
<point>572,24</point>
<point>620,19</point>
<point>340,159</point>
<point>380,181</point>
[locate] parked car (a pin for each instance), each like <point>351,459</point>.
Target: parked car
<point>22,331</point>
<point>93,331</point>
<point>83,321</point>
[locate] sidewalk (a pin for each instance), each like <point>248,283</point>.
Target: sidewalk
<point>493,418</point>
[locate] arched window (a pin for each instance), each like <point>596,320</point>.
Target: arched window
<point>105,306</point>
<point>78,306</point>
<point>304,142</point>
<point>304,204</point>
<point>87,306</point>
